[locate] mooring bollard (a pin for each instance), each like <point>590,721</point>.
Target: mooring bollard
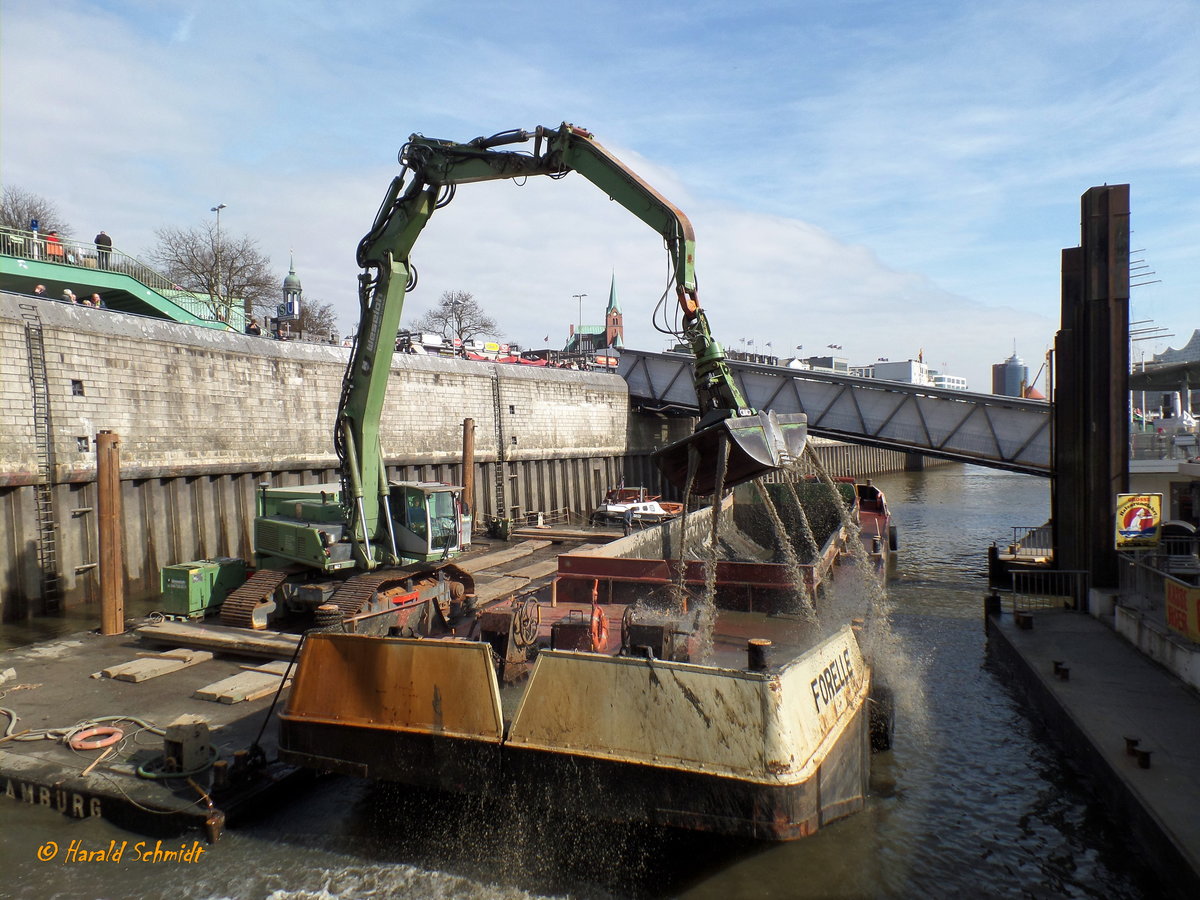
<point>758,654</point>
<point>1131,745</point>
<point>1143,758</point>
<point>991,604</point>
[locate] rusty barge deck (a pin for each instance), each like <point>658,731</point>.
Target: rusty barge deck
<point>615,716</point>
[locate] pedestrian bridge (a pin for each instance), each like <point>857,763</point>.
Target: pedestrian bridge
<point>124,283</point>
<point>984,429</point>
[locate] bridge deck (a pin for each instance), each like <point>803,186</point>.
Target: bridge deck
<point>985,429</point>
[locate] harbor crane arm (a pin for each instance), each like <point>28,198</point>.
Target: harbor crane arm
<point>432,171</point>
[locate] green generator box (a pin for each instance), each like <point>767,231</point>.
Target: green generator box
<point>193,589</point>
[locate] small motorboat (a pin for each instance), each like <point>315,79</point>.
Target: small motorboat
<point>641,507</point>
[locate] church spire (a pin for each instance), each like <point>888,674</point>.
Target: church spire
<point>613,305</point>
<point>614,327</point>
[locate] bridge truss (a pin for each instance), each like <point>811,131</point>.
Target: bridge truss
<point>984,429</point>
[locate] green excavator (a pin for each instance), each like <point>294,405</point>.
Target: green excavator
<point>393,534</point>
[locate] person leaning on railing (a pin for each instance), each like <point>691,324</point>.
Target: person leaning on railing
<point>54,247</point>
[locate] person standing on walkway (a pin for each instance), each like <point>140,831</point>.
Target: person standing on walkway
<point>103,247</point>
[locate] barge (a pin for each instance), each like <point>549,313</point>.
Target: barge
<point>648,683</point>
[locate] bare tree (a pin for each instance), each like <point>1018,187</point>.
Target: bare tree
<point>318,321</point>
<point>457,315</point>
<point>224,273</point>
<point>18,207</point>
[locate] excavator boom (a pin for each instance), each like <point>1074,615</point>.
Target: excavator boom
<point>732,444</point>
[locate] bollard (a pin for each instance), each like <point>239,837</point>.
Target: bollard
<point>1131,745</point>
<point>758,654</point>
<point>214,824</point>
<point>328,617</point>
<point>1143,758</point>
<point>991,604</point>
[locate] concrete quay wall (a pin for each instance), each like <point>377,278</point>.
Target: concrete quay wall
<point>204,417</point>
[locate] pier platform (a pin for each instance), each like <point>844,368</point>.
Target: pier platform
<point>54,686</point>
<point>1130,726</point>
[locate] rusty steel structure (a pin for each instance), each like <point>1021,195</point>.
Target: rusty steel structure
<point>1091,392</point>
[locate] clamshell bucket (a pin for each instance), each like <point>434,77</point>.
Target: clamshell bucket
<point>753,445</point>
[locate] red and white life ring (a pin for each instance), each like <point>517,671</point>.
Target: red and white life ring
<point>96,738</point>
<point>599,630</point>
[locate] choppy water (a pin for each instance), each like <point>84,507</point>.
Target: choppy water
<point>971,803</point>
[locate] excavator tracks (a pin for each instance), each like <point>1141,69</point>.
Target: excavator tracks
<point>356,594</point>
<point>250,604</point>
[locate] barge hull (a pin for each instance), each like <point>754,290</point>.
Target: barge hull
<point>769,755</point>
<point>598,788</point>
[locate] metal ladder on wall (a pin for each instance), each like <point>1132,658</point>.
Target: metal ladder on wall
<point>501,454</point>
<point>43,488</point>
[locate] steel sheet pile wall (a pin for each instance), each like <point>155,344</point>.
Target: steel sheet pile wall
<point>203,417</point>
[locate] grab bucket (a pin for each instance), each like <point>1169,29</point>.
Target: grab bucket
<point>756,445</point>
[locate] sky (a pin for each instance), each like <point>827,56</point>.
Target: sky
<point>893,178</point>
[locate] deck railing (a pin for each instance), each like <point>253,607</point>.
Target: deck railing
<point>1163,446</point>
<point>1048,589</point>
<point>1145,573</point>
<point>33,245</point>
<point>1032,540</point>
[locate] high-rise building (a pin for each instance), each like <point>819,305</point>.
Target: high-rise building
<point>1010,376</point>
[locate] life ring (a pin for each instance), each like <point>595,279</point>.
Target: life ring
<point>104,736</point>
<point>599,630</point>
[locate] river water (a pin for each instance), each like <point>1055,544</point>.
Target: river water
<point>972,802</point>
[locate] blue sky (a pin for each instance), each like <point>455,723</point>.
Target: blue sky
<point>890,177</point>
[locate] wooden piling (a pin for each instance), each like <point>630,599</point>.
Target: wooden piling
<point>468,464</point>
<point>109,528</point>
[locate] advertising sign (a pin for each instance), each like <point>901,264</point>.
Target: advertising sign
<point>1183,609</point>
<point>1139,521</point>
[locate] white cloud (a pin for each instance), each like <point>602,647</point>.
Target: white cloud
<point>886,177</point>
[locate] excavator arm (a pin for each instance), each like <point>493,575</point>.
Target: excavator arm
<point>733,442</point>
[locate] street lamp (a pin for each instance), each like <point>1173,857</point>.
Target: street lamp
<point>580,297</point>
<point>217,209</point>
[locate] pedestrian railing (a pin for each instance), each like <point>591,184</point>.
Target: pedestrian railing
<point>1181,446</point>
<point>1031,540</point>
<point>1048,589</point>
<point>1144,574</point>
<point>33,245</point>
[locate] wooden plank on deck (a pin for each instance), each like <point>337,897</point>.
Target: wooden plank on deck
<point>536,570</point>
<point>153,665</point>
<point>500,557</point>
<point>222,639</point>
<point>496,588</point>
<point>247,685</point>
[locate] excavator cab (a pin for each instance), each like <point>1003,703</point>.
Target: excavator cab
<point>733,449</point>
<point>428,519</point>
